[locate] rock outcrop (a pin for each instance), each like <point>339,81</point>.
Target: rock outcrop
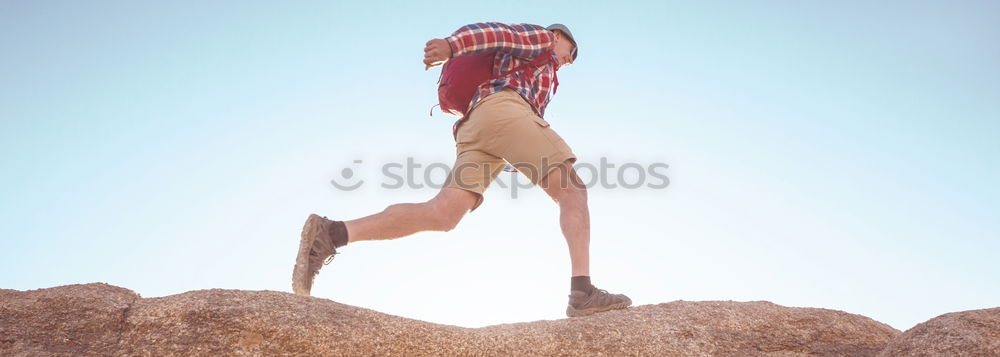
<point>100,319</point>
<point>67,320</point>
<point>966,333</point>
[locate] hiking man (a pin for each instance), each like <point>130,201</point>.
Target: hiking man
<point>502,123</point>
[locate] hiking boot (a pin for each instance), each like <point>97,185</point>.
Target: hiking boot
<point>316,249</point>
<point>599,300</point>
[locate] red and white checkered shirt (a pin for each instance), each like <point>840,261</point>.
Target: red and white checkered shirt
<point>515,44</point>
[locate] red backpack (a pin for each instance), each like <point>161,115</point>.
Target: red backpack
<point>462,76</point>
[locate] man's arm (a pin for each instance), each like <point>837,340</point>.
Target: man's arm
<point>519,40</point>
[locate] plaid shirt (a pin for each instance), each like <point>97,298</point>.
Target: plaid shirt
<point>515,45</point>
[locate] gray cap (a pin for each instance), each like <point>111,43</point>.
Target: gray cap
<point>565,30</point>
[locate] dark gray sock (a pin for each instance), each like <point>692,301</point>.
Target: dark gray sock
<point>338,230</point>
<point>581,283</point>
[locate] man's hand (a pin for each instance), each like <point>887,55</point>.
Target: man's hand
<point>436,53</point>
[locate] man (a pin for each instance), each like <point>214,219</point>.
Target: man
<point>504,124</point>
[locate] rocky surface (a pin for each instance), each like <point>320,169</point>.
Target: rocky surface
<point>100,319</point>
<point>67,320</point>
<point>966,333</point>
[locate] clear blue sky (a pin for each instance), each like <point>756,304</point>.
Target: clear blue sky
<point>823,154</point>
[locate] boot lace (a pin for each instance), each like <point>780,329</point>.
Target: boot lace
<point>329,259</point>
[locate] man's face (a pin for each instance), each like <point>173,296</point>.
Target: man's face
<point>564,49</point>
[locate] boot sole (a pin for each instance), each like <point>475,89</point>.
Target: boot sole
<point>571,312</point>
<point>300,275</point>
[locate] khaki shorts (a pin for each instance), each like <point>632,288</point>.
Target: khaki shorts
<point>502,128</point>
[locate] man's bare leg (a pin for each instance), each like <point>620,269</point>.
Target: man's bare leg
<point>441,213</point>
<point>567,190</point>
<point>321,237</point>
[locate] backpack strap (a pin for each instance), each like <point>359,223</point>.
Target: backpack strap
<point>555,78</point>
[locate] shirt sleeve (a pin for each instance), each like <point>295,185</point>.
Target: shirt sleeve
<point>519,40</point>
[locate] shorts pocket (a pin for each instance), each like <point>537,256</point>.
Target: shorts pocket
<point>541,122</point>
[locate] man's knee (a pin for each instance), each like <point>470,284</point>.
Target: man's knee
<point>574,194</point>
<point>448,208</point>
<point>564,186</point>
<point>446,220</point>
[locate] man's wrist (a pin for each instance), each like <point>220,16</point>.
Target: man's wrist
<point>455,45</point>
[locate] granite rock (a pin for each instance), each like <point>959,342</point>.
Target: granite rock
<point>100,319</point>
<point>966,333</point>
